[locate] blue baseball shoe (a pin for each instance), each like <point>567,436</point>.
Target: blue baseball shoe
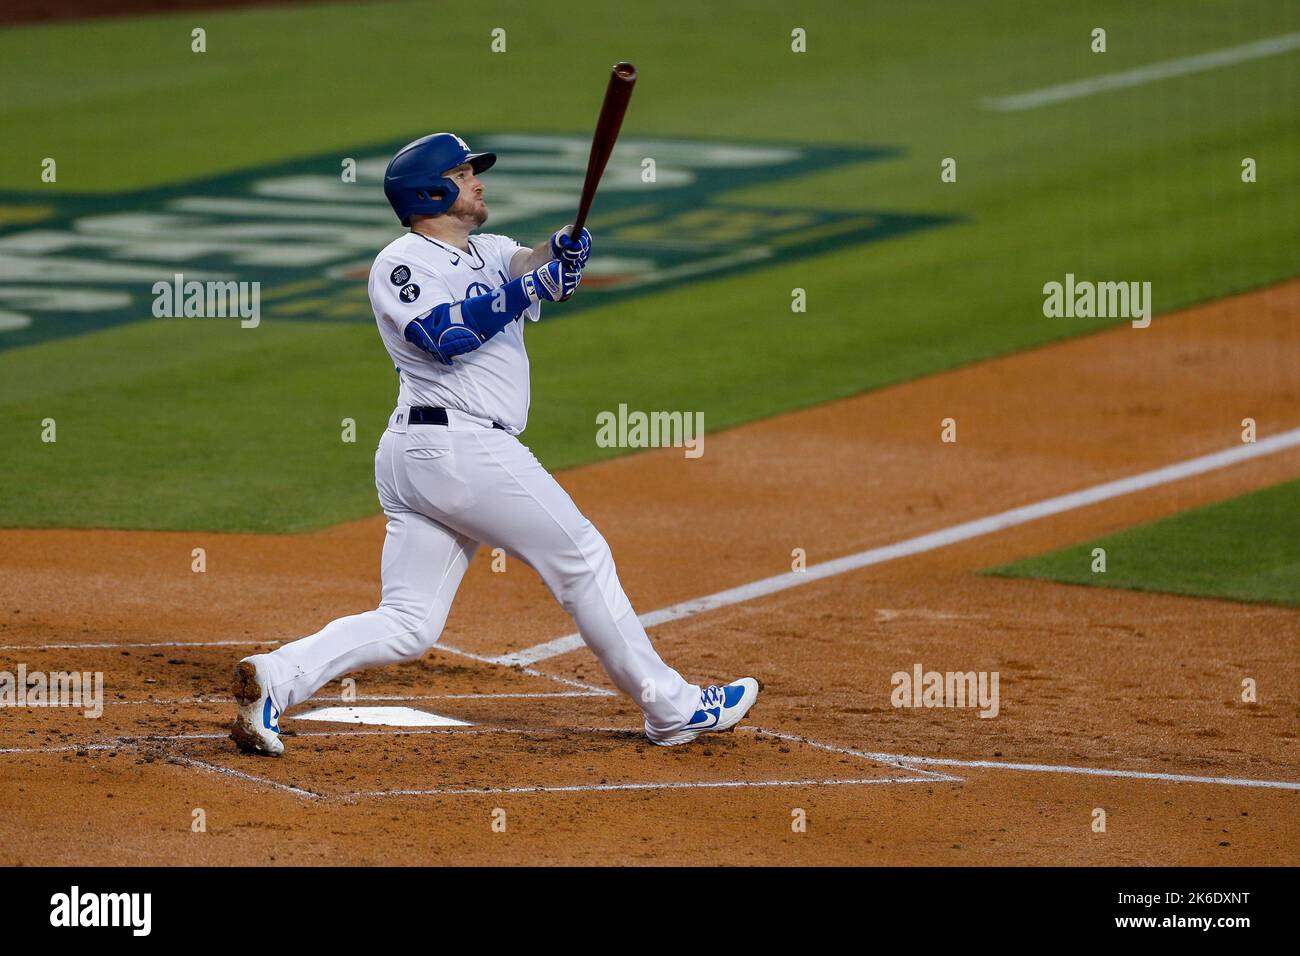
<point>257,721</point>
<point>721,708</point>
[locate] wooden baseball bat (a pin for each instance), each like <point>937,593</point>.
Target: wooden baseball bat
<point>621,80</point>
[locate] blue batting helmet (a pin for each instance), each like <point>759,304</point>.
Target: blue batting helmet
<point>415,181</point>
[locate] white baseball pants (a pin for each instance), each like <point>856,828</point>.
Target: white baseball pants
<point>445,489</point>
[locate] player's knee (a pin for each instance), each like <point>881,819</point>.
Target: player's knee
<point>418,628</point>
<point>572,594</point>
<point>590,579</point>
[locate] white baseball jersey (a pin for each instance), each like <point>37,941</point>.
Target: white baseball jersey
<point>415,273</point>
<point>446,488</point>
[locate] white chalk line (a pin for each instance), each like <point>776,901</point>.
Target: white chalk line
<point>1166,69</point>
<point>850,752</point>
<point>143,645</point>
<point>62,748</point>
<point>522,667</point>
<point>252,778</point>
<point>602,787</point>
<point>520,696</point>
<point>914,763</point>
<point>927,776</point>
<point>591,689</point>
<point>927,542</point>
<point>372,698</point>
<point>920,775</point>
<point>134,740</point>
<point>910,763</point>
<point>394,732</point>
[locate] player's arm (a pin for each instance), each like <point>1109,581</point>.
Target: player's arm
<point>526,260</point>
<point>559,246</point>
<point>454,328</point>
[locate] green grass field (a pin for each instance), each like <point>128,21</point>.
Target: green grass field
<point>167,425</point>
<point>1244,549</point>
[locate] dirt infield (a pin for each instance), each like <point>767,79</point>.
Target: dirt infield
<point>1108,699</point>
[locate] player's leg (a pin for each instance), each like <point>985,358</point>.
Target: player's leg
<point>518,505</point>
<point>422,567</point>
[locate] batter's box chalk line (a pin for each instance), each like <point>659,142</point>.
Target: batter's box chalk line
<point>909,763</point>
<point>917,775</point>
<point>363,698</point>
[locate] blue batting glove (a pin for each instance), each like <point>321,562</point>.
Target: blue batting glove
<point>554,281</point>
<point>573,251</point>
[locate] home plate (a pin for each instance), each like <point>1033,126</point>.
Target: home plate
<point>387,716</point>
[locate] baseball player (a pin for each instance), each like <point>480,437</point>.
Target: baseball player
<point>451,471</point>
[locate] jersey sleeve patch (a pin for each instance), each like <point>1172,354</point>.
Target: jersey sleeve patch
<point>402,288</point>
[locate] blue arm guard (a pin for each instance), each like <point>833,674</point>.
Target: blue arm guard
<point>453,329</point>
